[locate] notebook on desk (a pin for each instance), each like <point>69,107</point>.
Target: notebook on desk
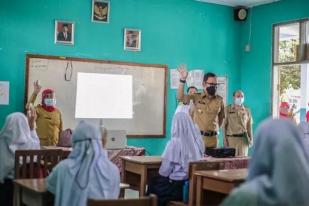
<point>116,139</point>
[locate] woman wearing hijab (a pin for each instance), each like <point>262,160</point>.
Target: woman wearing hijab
<point>87,173</point>
<point>17,133</point>
<point>279,168</point>
<point>186,145</point>
<point>49,121</point>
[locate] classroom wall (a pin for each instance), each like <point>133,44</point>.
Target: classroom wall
<point>256,65</point>
<point>173,32</point>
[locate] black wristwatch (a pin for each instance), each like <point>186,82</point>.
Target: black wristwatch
<point>182,81</point>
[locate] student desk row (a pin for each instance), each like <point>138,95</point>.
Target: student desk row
<point>137,171</point>
<point>33,192</point>
<point>217,184</point>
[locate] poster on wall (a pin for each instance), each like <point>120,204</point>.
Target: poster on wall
<point>132,39</point>
<point>100,11</point>
<point>4,92</point>
<point>222,88</point>
<point>64,32</point>
<point>195,78</point>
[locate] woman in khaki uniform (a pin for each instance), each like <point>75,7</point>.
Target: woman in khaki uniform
<point>238,125</point>
<point>49,121</point>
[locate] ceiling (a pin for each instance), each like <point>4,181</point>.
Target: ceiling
<point>247,3</point>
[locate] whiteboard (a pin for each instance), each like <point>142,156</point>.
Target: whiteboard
<point>149,90</point>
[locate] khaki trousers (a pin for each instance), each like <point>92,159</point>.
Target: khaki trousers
<point>240,144</point>
<point>210,141</point>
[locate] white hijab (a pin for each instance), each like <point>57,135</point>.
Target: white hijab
<point>14,135</point>
<point>186,143</point>
<point>279,168</point>
<point>87,173</point>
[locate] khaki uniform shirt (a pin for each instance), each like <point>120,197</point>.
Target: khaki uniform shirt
<point>49,124</point>
<point>207,110</point>
<point>238,121</point>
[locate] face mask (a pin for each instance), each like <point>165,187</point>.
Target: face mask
<point>50,102</point>
<point>211,90</point>
<point>239,101</point>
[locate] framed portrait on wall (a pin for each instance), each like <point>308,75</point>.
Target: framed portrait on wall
<point>64,32</point>
<point>132,39</point>
<point>100,11</point>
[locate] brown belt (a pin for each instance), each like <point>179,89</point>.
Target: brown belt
<point>237,135</point>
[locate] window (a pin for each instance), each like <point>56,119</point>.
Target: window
<point>291,69</point>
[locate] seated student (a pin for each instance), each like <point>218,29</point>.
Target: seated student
<point>87,173</point>
<point>17,133</point>
<point>278,171</point>
<point>186,145</point>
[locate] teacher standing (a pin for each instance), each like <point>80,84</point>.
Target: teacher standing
<point>49,121</point>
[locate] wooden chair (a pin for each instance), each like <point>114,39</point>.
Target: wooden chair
<point>142,201</point>
<point>193,167</point>
<point>36,163</point>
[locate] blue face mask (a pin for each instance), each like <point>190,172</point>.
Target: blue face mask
<point>239,101</point>
<point>50,102</point>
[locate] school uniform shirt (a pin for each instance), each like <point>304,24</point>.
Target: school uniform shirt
<point>15,135</point>
<point>49,124</point>
<point>237,128</point>
<point>86,173</point>
<point>207,112</point>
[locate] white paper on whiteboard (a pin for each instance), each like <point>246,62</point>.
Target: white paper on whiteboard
<point>4,92</point>
<point>39,64</point>
<point>104,96</point>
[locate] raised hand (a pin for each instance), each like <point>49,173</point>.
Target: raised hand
<point>36,87</point>
<point>182,72</point>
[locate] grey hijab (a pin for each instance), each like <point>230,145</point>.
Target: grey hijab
<point>279,168</point>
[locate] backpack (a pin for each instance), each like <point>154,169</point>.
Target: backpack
<point>65,139</point>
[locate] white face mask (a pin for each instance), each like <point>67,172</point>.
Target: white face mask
<point>239,101</point>
<point>50,102</point>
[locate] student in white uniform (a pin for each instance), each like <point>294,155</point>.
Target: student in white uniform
<point>278,171</point>
<point>17,133</point>
<point>186,145</point>
<point>87,173</point>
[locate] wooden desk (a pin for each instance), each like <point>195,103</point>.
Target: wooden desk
<point>33,192</point>
<point>114,155</point>
<point>138,170</point>
<point>219,181</point>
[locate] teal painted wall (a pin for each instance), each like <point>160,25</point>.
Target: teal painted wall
<point>173,32</point>
<point>256,65</point>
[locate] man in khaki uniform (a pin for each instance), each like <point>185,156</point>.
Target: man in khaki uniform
<point>238,125</point>
<point>208,111</point>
